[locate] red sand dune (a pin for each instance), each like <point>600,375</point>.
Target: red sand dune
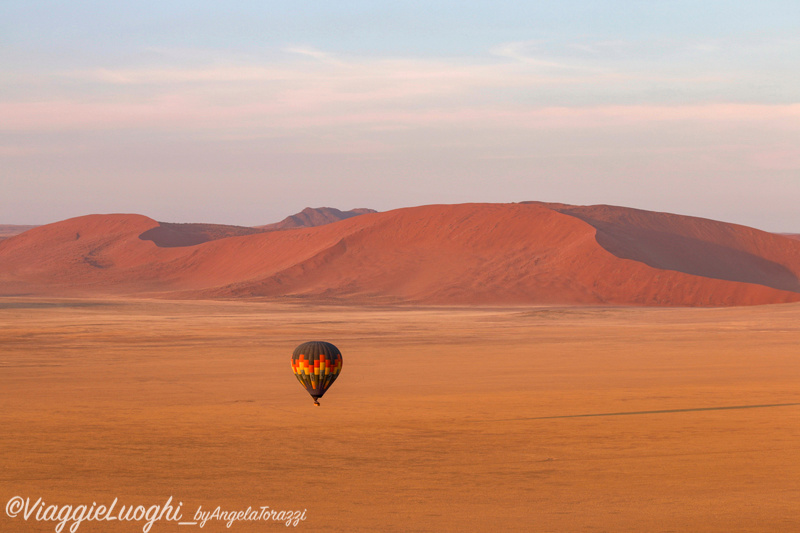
<point>315,216</point>
<point>792,235</point>
<point>529,253</point>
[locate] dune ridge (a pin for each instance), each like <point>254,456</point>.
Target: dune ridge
<point>525,253</point>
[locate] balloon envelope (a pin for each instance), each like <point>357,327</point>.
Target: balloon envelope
<point>316,366</point>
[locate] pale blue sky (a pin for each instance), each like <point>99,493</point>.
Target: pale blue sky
<point>245,112</point>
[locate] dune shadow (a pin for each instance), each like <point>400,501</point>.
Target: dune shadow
<point>173,235</point>
<point>672,251</point>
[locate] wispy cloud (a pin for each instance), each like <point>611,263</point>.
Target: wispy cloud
<point>176,113</point>
<point>521,51</point>
<point>599,48</point>
<point>240,96</point>
<point>314,53</point>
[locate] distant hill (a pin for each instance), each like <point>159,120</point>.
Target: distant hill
<point>9,230</point>
<point>315,216</point>
<point>468,254</point>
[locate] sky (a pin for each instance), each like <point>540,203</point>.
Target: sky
<point>244,112</point>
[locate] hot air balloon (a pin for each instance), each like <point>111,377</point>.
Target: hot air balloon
<point>316,366</point>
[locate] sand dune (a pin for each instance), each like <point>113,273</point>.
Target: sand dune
<point>529,253</point>
<point>315,216</point>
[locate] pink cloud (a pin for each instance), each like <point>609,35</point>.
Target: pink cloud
<point>177,113</point>
<point>777,159</point>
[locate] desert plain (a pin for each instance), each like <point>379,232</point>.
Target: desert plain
<point>479,418</point>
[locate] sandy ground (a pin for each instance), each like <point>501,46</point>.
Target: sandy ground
<point>443,419</point>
